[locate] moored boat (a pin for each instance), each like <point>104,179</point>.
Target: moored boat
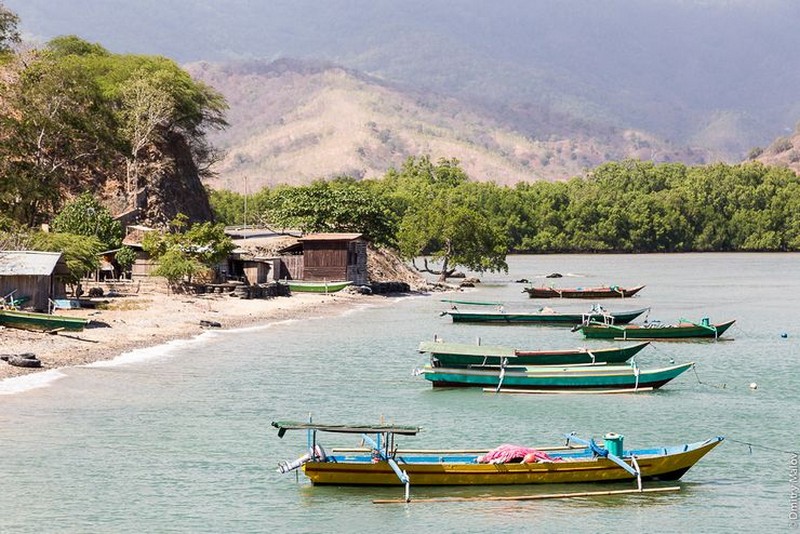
<point>602,292</point>
<point>656,330</point>
<point>552,377</point>
<point>467,355</point>
<point>545,316</point>
<point>307,286</point>
<point>41,321</point>
<point>579,461</point>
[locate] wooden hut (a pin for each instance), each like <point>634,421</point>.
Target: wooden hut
<point>39,276</point>
<point>335,256</point>
<point>143,264</point>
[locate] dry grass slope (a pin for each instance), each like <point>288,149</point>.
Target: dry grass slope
<point>292,123</point>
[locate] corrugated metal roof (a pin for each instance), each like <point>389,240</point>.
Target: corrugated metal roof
<point>330,237</point>
<point>28,262</point>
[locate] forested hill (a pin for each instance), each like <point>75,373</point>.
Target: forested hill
<point>294,121</point>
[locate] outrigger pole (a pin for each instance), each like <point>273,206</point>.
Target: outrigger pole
<point>384,455</point>
<point>600,451</point>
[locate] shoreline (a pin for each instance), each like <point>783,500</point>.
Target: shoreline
<point>128,323</point>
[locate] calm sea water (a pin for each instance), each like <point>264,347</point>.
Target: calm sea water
<point>178,438</point>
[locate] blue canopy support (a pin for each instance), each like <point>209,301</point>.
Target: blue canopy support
<point>601,451</point>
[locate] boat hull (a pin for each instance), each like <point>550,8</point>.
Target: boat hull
<point>315,287</point>
<point>560,319</point>
<point>553,378</point>
<point>41,321</point>
<point>463,355</point>
<point>582,293</point>
<point>666,463</point>
<point>682,331</point>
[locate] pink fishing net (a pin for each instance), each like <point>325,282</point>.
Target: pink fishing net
<point>507,453</point>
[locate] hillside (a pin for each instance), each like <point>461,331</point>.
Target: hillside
<point>718,74</point>
<point>292,122</point>
<point>783,152</point>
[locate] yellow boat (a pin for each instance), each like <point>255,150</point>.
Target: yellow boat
<point>578,461</point>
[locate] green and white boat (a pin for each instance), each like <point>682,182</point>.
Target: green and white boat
<point>544,377</point>
<point>308,286</point>
<point>467,355</point>
<point>684,329</point>
<point>542,316</point>
<point>42,322</point>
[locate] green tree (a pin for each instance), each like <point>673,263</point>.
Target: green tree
<point>56,129</point>
<point>446,217</point>
<point>125,257</point>
<point>183,252</point>
<point>86,216</point>
<point>453,233</point>
<point>341,205</point>
<point>73,112</point>
<point>80,251</point>
<point>9,35</point>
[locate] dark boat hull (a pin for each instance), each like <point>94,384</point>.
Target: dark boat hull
<point>582,293</point>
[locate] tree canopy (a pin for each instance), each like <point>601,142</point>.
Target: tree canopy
<point>187,250</point>
<point>626,206</point>
<point>74,113</point>
<point>86,216</point>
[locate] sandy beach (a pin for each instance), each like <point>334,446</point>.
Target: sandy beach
<point>123,324</point>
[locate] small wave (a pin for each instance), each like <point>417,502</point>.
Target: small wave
<point>20,384</point>
<point>149,353</point>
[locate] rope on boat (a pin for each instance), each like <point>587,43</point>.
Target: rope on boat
<point>758,446</point>
<point>723,386</point>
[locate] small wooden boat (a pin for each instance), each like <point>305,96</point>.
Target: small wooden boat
<point>381,463</point>
<point>552,377</point>
<point>466,355</point>
<point>655,330</point>
<point>603,292</point>
<point>304,286</point>
<point>41,321</point>
<point>545,316</point>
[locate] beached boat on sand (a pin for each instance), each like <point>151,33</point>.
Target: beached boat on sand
<point>465,355</point>
<point>383,464</point>
<point>655,330</point>
<point>542,316</point>
<point>553,377</point>
<point>602,292</point>
<point>42,322</point>
<point>306,286</point>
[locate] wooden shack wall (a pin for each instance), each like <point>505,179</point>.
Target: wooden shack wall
<point>37,288</point>
<point>325,260</point>
<point>142,266</point>
<point>255,272</point>
<point>357,269</point>
<point>288,268</point>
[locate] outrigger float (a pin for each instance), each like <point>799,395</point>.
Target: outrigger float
<point>382,463</point>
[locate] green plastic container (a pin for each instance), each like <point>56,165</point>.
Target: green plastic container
<point>614,443</point>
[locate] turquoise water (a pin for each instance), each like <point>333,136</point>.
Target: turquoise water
<point>178,438</point>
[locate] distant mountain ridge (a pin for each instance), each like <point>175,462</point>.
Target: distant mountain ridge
<point>714,73</point>
<point>295,121</point>
<point>710,77</point>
